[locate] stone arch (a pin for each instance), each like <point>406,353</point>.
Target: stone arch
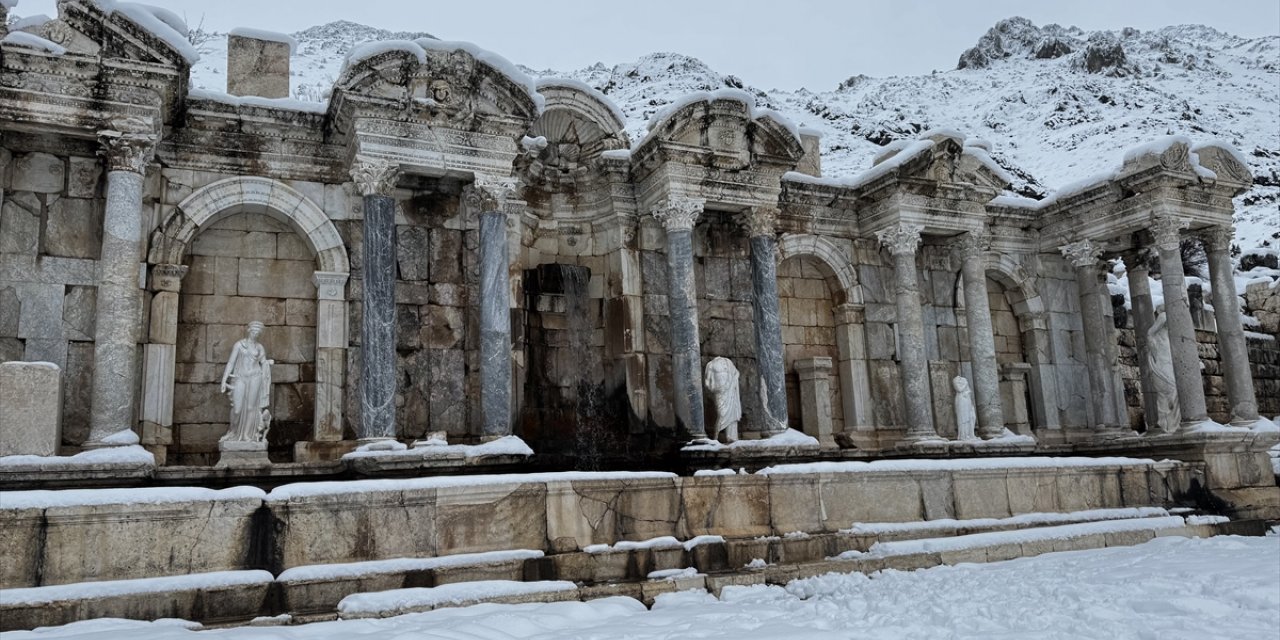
<point>831,257</point>
<point>1029,308</point>
<point>226,197</point>
<point>1026,301</point>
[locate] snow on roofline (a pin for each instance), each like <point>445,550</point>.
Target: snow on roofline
<point>159,22</point>
<point>29,22</point>
<point>269,36</point>
<point>33,41</point>
<point>738,95</point>
<point>614,109</point>
<point>289,104</point>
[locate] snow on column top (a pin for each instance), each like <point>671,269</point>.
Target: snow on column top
<point>269,36</point>
<point>419,48</point>
<point>161,23</point>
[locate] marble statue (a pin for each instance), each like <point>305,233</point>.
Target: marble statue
<point>966,415</point>
<point>1160,363</point>
<point>247,380</point>
<point>721,380</point>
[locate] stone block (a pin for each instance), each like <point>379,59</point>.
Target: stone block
<point>73,228</point>
<point>981,495</point>
<point>730,506</point>
<point>276,278</point>
<point>79,307</point>
<point>39,173</point>
<point>20,224</point>
<point>1079,489</point>
<point>937,496</point>
<point>649,508</point>
<point>868,497</point>
<point>471,519</point>
<point>231,310</point>
<point>30,408</point>
<point>257,67</point>
<point>84,177</point>
<point>1034,491</point>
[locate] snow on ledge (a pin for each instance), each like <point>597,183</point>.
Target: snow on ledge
<point>347,570</point>
<point>161,23</point>
<point>579,85</point>
<point>959,464</point>
<point>418,48</point>
<point>34,596</point>
<point>124,455</point>
<point>785,440</point>
<point>429,449</point>
<point>340,487</point>
<point>269,36</point>
<point>47,499</point>
<point>661,542</point>
<point>287,104</point>
<point>33,41</point>
<point>1017,536</point>
<point>738,95</point>
<point>388,603</point>
<point>1039,518</point>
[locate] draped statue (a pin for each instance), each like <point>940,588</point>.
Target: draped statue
<point>721,380</point>
<point>1160,364</point>
<point>247,380</point>
<point>966,415</point>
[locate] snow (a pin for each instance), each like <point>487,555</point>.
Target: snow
<point>427,449</point>
<point>385,603</point>
<point>126,455</point>
<point>748,99</point>
<point>960,464</point>
<point>785,439</point>
<point>322,572</point>
<point>587,89</point>
<point>22,24</point>
<point>1169,588</point>
<point>123,438</point>
<point>1025,519</point>
<point>161,23</point>
<point>661,542</point>
<point>269,36</point>
<point>1016,536</point>
<point>47,499</point>
<point>165,584</point>
<point>289,104</point>
<point>674,574</point>
<point>8,4</point>
<point>306,489</point>
<point>32,41</point>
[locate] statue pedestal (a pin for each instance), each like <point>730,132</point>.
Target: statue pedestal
<point>242,454</point>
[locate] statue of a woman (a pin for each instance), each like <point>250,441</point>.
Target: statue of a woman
<point>247,379</point>
<point>966,416</point>
<point>1160,364</point>
<point>721,380</point>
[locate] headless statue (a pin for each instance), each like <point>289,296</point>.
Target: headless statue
<point>1160,364</point>
<point>966,415</point>
<point>721,380</point>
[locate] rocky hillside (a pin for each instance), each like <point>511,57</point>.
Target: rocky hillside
<point>1058,104</point>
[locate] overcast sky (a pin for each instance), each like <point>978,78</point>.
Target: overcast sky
<point>777,43</point>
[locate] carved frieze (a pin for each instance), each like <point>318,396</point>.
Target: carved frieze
<point>678,213</point>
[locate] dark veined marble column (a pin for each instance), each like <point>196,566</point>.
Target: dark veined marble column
<point>678,215</point>
<point>902,241</point>
<point>761,224</point>
<point>489,198</point>
<point>376,180</point>
<point>118,319</point>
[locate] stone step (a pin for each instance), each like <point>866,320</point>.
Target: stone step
<point>384,604</point>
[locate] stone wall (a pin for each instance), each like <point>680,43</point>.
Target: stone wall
<point>243,268</point>
<point>806,300</point>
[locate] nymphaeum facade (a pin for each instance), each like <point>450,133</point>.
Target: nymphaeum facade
<point>449,247</point>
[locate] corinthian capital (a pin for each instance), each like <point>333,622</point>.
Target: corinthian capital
<point>1218,238</point>
<point>903,239</point>
<point>679,213</point>
<point>761,221</point>
<point>374,177</point>
<point>973,243</point>
<point>488,194</point>
<point>127,151</point>
<point>1081,254</point>
<point>1167,230</point>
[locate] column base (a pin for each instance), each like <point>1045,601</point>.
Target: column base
<point>380,444</point>
<point>242,454</point>
<point>122,438</point>
<point>322,451</point>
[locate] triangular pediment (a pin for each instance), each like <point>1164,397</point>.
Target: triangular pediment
<point>85,27</point>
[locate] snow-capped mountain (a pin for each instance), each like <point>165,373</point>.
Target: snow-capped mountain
<point>1057,103</point>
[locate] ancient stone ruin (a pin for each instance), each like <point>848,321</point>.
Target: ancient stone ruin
<point>447,254</point>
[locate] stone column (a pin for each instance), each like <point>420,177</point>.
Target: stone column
<point>761,224</point>
<point>855,381</point>
<point>902,241</point>
<point>1182,334</point>
<point>158,358</point>
<point>1083,255</point>
<point>489,198</point>
<point>678,215</point>
<point>376,180</point>
<point>118,320</point>
<point>982,341</point>
<point>1143,314</point>
<point>331,355</point>
<point>815,397</point>
<point>1232,347</point>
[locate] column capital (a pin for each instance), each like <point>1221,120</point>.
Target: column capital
<point>1081,254</point>
<point>1167,230</point>
<point>373,176</point>
<point>678,213</point>
<point>488,194</point>
<point>130,152</point>
<point>971,244</point>
<point>1218,238</point>
<point>330,285</point>
<point>761,221</point>
<point>167,277</point>
<point>902,239</point>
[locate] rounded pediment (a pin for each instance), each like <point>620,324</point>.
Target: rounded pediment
<point>730,125</point>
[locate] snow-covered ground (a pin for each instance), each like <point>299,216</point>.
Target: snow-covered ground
<point>1170,588</point>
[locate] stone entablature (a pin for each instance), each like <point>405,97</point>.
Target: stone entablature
<point>438,177</point>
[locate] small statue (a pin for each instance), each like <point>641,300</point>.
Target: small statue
<point>721,380</point>
<point>966,416</point>
<point>1163,384</point>
<point>247,380</point>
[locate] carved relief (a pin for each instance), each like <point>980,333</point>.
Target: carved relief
<point>902,239</point>
<point>130,152</point>
<point>1218,238</point>
<point>1081,254</point>
<point>761,221</point>
<point>374,177</point>
<point>679,213</point>
<point>1167,230</point>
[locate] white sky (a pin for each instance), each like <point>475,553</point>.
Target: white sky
<point>782,44</point>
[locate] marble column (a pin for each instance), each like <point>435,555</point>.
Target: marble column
<point>118,319</point>
<point>1167,231</point>
<point>495,308</point>
<point>1143,314</point>
<point>158,359</point>
<point>761,224</point>
<point>815,398</point>
<point>855,380</point>
<point>1083,255</point>
<point>678,215</point>
<point>376,180</point>
<point>331,355</point>
<point>1232,348</point>
<point>902,242</point>
<point>982,341</point>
